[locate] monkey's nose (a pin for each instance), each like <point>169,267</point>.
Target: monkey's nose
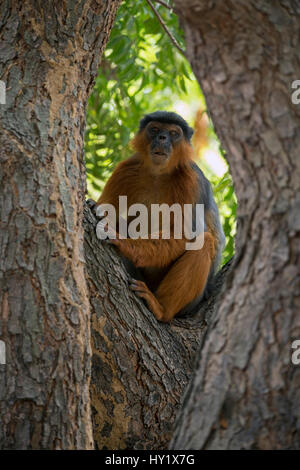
<point>162,137</point>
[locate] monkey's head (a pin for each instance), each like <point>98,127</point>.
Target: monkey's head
<point>163,139</point>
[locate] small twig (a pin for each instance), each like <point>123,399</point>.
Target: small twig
<point>166,28</point>
<point>164,4</point>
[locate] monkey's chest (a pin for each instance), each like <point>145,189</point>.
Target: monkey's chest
<point>149,196</point>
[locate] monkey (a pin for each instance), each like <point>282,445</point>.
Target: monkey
<point>171,279</point>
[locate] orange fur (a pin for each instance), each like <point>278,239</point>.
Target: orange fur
<point>176,289</point>
<point>182,274</point>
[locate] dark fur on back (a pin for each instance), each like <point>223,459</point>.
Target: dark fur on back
<point>168,118</point>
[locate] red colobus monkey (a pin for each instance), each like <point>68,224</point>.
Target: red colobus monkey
<point>170,278</point>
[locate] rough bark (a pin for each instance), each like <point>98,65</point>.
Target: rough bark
<point>49,56</point>
<point>140,367</point>
<point>245,392</point>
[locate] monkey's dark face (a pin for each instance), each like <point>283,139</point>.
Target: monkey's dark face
<point>163,138</point>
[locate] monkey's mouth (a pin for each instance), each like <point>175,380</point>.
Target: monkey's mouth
<point>159,156</point>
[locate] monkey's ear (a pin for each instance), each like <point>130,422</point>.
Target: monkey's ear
<point>189,133</point>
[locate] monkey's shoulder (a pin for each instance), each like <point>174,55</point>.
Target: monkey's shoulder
<point>131,162</point>
<point>205,192</point>
<point>128,168</point>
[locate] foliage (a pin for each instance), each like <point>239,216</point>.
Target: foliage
<point>139,64</point>
<point>141,71</point>
<point>227,203</point>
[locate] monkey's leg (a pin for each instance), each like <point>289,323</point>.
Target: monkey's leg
<point>184,282</point>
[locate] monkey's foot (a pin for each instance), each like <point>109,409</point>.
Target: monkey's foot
<point>141,290</point>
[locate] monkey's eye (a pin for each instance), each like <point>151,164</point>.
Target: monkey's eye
<point>154,130</point>
<point>174,134</point>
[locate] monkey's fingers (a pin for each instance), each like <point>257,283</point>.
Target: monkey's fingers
<point>138,286</point>
<point>142,291</point>
<point>92,205</point>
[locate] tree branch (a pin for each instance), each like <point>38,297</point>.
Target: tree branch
<point>163,24</point>
<point>140,366</point>
<point>164,4</point>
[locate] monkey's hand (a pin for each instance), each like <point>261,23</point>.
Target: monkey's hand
<point>92,205</point>
<point>98,210</point>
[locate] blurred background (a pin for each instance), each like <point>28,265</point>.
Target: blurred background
<point>143,71</point>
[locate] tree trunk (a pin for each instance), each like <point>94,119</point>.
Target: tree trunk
<point>140,366</point>
<point>245,392</point>
<point>49,56</point>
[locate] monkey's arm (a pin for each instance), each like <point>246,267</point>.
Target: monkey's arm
<point>157,253</point>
